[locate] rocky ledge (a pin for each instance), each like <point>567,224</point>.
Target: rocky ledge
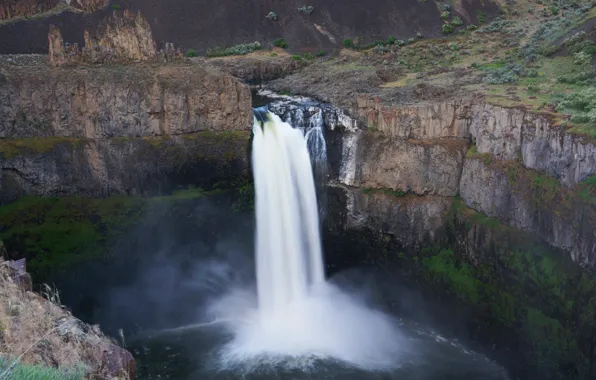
<point>38,330</point>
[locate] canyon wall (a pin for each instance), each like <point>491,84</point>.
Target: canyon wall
<point>119,129</point>
<point>517,166</point>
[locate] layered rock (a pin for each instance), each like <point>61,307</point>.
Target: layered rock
<point>526,200</point>
<point>114,130</point>
<point>119,165</point>
<point>121,101</point>
<point>506,133</point>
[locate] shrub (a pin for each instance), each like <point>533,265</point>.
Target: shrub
<point>242,49</point>
<point>271,16</point>
<point>280,43</point>
<point>297,58</point>
<point>308,56</point>
<point>532,73</point>
<point>191,53</point>
<point>532,89</point>
<point>321,53</point>
<point>419,35</point>
<point>306,9</point>
<point>480,17</point>
<point>445,7</point>
<point>508,74</point>
<point>382,49</point>
<point>472,27</point>
<point>584,102</point>
<point>391,40</point>
<point>445,15</point>
<point>453,46</point>
<point>582,59</point>
<point>411,40</point>
<point>457,21</point>
<point>400,43</point>
<point>349,43</point>
<point>447,28</point>
<point>116,6</point>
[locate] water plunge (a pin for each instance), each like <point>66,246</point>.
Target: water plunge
<point>300,317</point>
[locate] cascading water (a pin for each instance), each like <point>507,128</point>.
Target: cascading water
<point>289,259</point>
<point>298,325</point>
<point>300,318</point>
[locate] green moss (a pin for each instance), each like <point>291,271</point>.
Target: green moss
<point>383,190</point>
<point>487,158</point>
<point>10,148</point>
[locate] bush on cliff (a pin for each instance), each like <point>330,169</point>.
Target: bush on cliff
<point>241,49</point>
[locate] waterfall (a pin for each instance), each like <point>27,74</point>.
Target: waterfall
<point>288,247</point>
<point>299,318</point>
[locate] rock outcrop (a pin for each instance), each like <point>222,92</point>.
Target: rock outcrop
<point>45,333</point>
<point>121,37</point>
<point>10,9</point>
<point>120,130</point>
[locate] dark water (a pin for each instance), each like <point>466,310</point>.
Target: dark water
<point>192,352</point>
<point>165,273</point>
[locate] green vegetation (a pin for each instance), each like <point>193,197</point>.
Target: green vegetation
<point>19,371</point>
<point>10,148</point>
<point>116,6</point>
<point>241,49</point>
<point>306,9</point>
<point>280,43</point>
<point>191,53</point>
<point>271,16</point>
<point>55,233</point>
<point>349,44</point>
<point>383,190</point>
<point>447,29</point>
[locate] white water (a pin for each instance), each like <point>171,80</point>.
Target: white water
<point>288,247</point>
<point>298,318</point>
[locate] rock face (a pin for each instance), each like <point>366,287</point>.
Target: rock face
<point>523,200</point>
<point>10,9</point>
<point>521,167</point>
<point>506,133</point>
<point>124,36</point>
<point>121,101</point>
<point>121,37</point>
<point>115,130</point>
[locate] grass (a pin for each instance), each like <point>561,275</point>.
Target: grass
<point>38,372</point>
<point>41,340</point>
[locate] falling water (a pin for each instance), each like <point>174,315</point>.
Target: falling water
<point>300,318</point>
<point>288,244</point>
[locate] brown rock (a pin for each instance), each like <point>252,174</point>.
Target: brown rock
<point>124,36</point>
<point>56,47</point>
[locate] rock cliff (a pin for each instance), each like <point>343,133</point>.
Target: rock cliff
<point>111,130</point>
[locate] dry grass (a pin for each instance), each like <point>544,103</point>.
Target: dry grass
<point>39,331</point>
